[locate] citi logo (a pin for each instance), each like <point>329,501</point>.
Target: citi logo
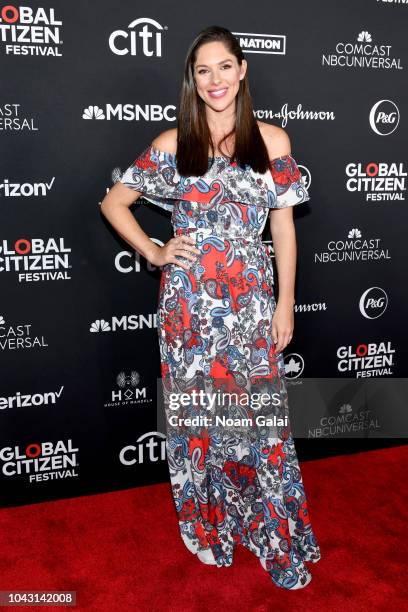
<point>150,447</point>
<point>143,37</point>
<point>273,44</point>
<point>130,390</point>
<point>18,190</point>
<point>129,261</point>
<point>384,117</point>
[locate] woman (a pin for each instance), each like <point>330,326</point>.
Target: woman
<point>222,173</point>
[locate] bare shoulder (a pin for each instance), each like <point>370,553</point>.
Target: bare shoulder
<point>276,139</point>
<point>166,141</point>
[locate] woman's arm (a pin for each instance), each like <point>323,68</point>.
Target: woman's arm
<point>115,207</point>
<point>285,248</point>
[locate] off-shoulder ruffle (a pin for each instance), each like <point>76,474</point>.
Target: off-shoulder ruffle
<point>154,174</point>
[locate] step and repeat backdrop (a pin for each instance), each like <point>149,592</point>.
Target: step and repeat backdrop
<point>85,88</point>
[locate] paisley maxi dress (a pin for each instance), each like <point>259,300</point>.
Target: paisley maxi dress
<point>234,481</point>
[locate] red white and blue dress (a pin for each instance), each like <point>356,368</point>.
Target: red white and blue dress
<point>230,485</point>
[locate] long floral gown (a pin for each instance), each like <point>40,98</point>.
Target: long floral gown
<point>231,483</point>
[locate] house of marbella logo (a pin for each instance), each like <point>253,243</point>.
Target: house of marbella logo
<point>128,391</point>
<point>130,112</point>
<point>362,53</point>
<point>25,30</point>
<point>353,248</point>
<point>143,36</point>
<point>384,117</point>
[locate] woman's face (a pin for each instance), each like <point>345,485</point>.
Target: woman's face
<point>217,75</point>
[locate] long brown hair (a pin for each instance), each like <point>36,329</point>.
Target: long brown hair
<point>193,134</point>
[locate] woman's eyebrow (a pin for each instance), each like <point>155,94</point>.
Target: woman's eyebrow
<point>204,66</point>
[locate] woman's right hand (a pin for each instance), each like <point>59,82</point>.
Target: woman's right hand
<point>178,245</point>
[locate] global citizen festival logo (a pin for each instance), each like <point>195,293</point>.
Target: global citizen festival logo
<point>143,37</point>
<point>30,31</point>
<point>384,117</point>
<point>129,391</point>
<point>366,360</point>
<point>36,259</point>
<point>16,337</point>
<point>131,112</point>
<point>39,462</point>
<point>354,248</point>
<point>362,54</point>
<point>378,181</point>
<point>274,44</point>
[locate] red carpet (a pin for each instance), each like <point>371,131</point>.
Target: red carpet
<point>122,551</point>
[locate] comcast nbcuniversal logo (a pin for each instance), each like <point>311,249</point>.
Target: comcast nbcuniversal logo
<point>354,247</point>
<point>130,112</point>
<point>363,53</point>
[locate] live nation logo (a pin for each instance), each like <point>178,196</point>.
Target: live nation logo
<point>40,461</point>
<point>128,391</point>
<point>271,44</point>
<point>35,259</point>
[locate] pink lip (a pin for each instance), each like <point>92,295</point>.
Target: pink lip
<point>214,91</point>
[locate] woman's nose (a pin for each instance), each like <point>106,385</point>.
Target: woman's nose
<point>216,77</point>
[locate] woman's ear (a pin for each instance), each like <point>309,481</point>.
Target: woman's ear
<point>243,67</point>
